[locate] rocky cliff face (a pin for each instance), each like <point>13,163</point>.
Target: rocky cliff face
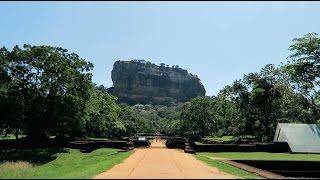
<point>138,81</point>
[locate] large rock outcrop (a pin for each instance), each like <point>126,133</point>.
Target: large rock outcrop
<point>141,82</point>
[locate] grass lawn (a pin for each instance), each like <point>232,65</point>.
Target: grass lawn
<point>10,136</point>
<point>57,163</point>
<point>262,156</point>
<point>204,156</point>
<point>226,167</point>
<point>99,139</point>
<point>223,138</point>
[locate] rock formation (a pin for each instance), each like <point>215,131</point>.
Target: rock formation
<point>138,81</point>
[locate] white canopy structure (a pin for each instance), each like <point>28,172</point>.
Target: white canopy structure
<point>304,138</point>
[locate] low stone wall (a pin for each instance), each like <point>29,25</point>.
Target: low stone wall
<point>23,144</point>
<point>176,142</point>
<point>295,169</point>
<point>152,136</point>
<point>254,170</point>
<point>141,143</point>
<point>87,145</point>
<point>255,147</point>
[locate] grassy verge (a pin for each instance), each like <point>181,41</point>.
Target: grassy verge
<point>263,156</point>
<point>10,136</point>
<point>223,138</point>
<point>66,163</point>
<point>105,139</point>
<point>227,168</point>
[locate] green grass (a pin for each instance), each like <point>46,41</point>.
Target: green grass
<point>62,163</point>
<point>223,138</point>
<point>226,167</point>
<point>10,136</point>
<point>99,139</point>
<point>204,156</point>
<point>263,156</point>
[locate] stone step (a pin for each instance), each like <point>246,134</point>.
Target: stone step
<point>122,150</point>
<point>191,151</point>
<point>127,148</point>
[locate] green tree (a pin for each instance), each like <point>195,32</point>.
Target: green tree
<point>51,86</point>
<point>304,68</point>
<point>227,116</point>
<point>258,98</point>
<point>102,114</point>
<point>129,119</point>
<point>117,129</point>
<point>239,95</point>
<point>8,103</point>
<point>196,116</point>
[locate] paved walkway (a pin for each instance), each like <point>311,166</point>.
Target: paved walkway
<point>160,162</point>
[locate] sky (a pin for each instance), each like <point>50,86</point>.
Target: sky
<point>217,41</point>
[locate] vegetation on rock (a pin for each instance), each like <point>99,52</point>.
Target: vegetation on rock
<point>141,82</point>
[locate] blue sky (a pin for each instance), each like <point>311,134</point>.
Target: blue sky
<point>218,41</point>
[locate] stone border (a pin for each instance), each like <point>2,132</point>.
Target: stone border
<point>255,170</point>
<point>276,147</point>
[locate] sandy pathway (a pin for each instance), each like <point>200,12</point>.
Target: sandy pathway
<point>160,162</point>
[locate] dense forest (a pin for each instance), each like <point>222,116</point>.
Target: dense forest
<point>46,91</point>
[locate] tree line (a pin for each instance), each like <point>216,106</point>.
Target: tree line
<point>47,91</point>
<point>253,105</point>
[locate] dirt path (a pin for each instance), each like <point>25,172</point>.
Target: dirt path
<point>160,162</point>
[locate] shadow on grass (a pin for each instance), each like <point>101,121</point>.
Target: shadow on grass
<point>34,156</point>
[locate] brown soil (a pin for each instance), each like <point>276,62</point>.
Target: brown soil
<point>160,162</point>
